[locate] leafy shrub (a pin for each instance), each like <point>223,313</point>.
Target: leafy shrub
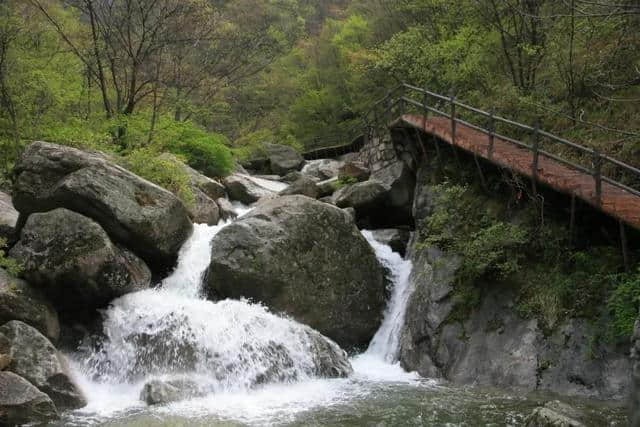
<point>163,172</point>
<point>623,303</point>
<point>344,182</point>
<point>12,266</point>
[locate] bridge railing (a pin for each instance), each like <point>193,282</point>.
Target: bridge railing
<point>603,168</point>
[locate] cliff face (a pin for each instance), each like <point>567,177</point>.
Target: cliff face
<point>492,340</point>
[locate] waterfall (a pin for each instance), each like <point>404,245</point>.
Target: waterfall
<point>172,332</point>
<point>386,341</point>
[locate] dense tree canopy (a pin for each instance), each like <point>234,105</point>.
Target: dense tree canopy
<point>126,75</point>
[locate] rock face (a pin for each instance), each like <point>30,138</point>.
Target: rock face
<point>22,403</point>
<point>245,190</point>
<point>158,392</point>
<point>283,159</point>
<point>304,186</point>
<point>304,258</point>
<point>356,170</point>
<point>8,217</point>
<point>634,417</point>
<point>492,344</point>
<point>204,209</point>
<point>71,259</point>
<point>367,198</point>
<point>35,359</point>
<point>143,217</point>
<point>20,301</point>
<point>400,183</point>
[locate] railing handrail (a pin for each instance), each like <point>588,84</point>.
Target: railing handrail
<point>597,158</point>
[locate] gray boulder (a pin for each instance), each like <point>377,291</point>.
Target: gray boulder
<point>396,238</point>
<point>226,209</point>
<point>20,301</point>
<point>327,187</point>
<point>304,186</point>
<point>307,259</point>
<point>35,359</point>
<point>22,403</point>
<point>555,414</point>
<point>8,217</point>
<point>204,210</point>
<point>355,170</point>
<point>243,189</point>
<point>321,170</point>
<point>283,159</point>
<point>145,218</point>
<point>367,198</point>
<point>159,392</point>
<point>71,259</point>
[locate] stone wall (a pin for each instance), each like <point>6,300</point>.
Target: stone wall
<point>378,153</point>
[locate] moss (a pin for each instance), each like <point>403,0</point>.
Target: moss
<point>12,266</point>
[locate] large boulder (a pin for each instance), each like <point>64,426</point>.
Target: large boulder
<point>323,169</point>
<point>22,403</point>
<point>367,198</point>
<point>245,189</point>
<point>20,301</point>
<point>34,358</point>
<point>304,186</point>
<point>140,215</point>
<point>71,259</point>
<point>400,182</point>
<point>354,170</point>
<point>283,159</point>
<point>8,217</point>
<point>304,258</point>
<point>204,210</point>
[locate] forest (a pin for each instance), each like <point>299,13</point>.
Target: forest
<point>214,80</point>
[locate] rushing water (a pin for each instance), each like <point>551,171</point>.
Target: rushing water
<point>224,346</point>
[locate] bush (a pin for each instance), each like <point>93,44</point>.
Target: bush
<point>163,172</point>
<point>623,303</point>
<point>12,266</point>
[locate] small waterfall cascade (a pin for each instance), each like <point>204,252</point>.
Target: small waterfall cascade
<point>172,332</point>
<point>386,341</point>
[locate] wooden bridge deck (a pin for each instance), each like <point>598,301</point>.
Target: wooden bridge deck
<point>615,201</point>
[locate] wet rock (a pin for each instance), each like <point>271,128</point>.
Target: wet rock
<point>34,358</point>
<point>283,159</point>
<point>20,301</point>
<point>143,217</point>
<point>71,259</point>
<point>226,209</point>
<point>396,238</point>
<point>367,198</point>
<point>355,170</point>
<point>304,258</point>
<point>292,177</point>
<point>555,414</point>
<point>327,187</point>
<point>8,217</point>
<point>22,403</point>
<point>243,189</point>
<point>159,392</point>
<point>304,186</point>
<point>204,210</point>
<point>321,170</point>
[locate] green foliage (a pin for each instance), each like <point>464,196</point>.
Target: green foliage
<point>487,245</point>
<point>12,266</point>
<point>203,151</point>
<point>345,181</point>
<point>161,171</point>
<point>623,303</point>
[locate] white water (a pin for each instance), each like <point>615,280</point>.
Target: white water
<point>149,331</point>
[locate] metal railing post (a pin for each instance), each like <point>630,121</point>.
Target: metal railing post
<point>492,132</point>
<point>597,174</point>
<point>452,99</point>
<point>425,105</point>
<point>536,156</point>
